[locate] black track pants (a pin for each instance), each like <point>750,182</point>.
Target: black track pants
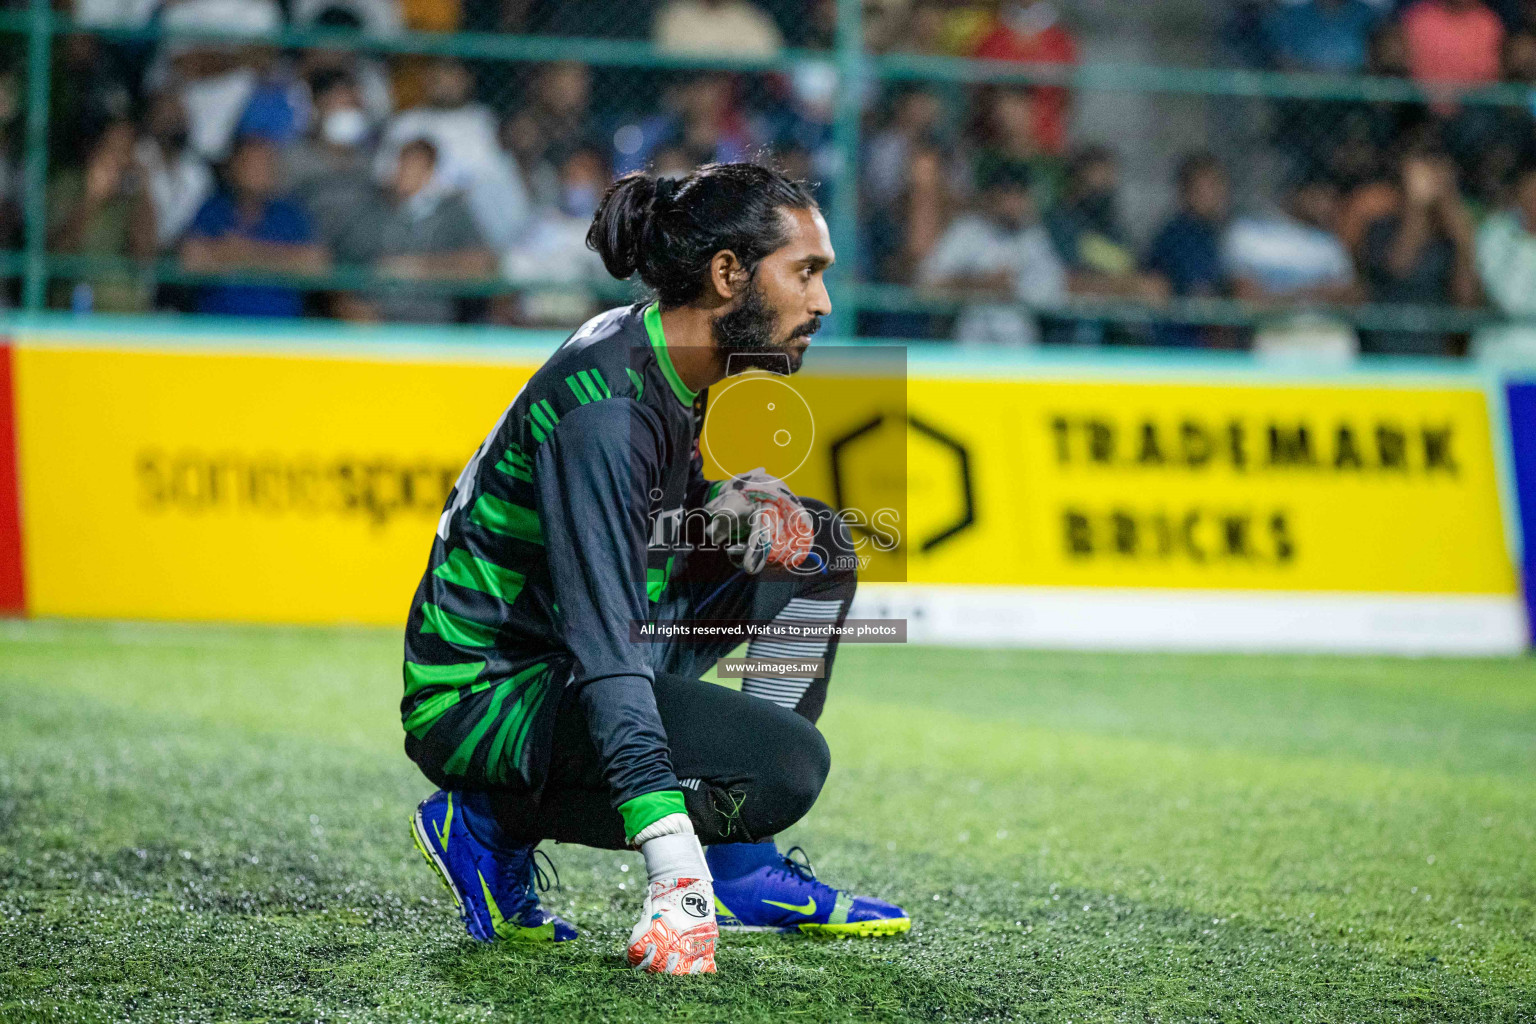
<point>820,593</point>
<point>749,769</point>
<point>751,762</point>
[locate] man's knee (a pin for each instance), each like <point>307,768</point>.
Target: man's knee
<point>809,773</point>
<point>792,781</point>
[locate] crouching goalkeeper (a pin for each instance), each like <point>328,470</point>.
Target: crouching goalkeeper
<point>528,701</point>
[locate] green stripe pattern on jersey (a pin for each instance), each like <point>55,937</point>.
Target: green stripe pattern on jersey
<point>466,682</point>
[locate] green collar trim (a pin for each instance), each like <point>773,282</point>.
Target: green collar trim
<point>663,357</point>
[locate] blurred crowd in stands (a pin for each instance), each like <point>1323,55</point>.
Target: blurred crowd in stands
<point>244,157</point>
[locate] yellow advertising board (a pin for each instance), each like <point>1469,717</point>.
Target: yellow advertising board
<point>304,486</point>
<point>1223,485</point>
<point>233,486</point>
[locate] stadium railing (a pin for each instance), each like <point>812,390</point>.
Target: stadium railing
<point>34,32</point>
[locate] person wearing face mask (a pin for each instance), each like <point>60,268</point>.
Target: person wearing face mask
<point>1086,229</point>
<point>554,249</point>
<point>176,180</point>
<point>368,71</point>
<point>417,228</point>
<point>329,169</point>
<point>1093,243</point>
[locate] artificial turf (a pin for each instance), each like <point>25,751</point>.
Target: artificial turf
<point>202,824</point>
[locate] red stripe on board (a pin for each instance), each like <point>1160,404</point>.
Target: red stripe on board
<point>13,595</point>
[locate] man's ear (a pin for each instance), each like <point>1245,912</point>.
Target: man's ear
<point>726,275</point>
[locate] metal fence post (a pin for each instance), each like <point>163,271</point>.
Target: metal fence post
<point>35,167</point>
<point>847,111</point>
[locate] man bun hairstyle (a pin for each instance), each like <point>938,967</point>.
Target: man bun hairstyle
<point>669,230</point>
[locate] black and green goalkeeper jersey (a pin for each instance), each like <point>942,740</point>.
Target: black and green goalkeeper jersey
<point>543,558</point>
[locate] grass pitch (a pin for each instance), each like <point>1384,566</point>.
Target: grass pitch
<point>203,824</point>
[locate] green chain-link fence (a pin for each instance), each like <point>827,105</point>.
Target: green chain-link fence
<point>1043,193</point>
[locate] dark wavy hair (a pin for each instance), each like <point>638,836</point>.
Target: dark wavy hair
<point>669,229</point>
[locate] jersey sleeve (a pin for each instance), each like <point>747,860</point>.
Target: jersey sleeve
<point>594,475</point>
<point>698,486</point>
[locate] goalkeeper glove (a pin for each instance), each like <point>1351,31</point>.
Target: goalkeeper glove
<point>760,521</point>
<point>676,933</point>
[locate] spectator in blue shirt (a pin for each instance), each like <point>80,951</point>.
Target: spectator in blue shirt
<point>245,226</point>
<point>1330,36</point>
<point>1187,251</point>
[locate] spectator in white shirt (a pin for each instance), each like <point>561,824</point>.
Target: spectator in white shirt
<point>1506,249</point>
<point>217,79</point>
<point>178,181</point>
<point>469,154</point>
<point>1001,253</point>
<point>1292,254</point>
<point>554,248</point>
<point>1506,263</point>
<point>554,251</point>
<point>716,27</point>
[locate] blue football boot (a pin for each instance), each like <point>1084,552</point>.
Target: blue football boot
<point>493,890</point>
<point>759,889</point>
